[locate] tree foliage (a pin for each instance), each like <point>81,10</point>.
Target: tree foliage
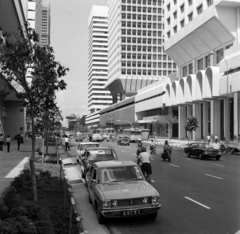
<point>31,69</point>
<point>191,124</point>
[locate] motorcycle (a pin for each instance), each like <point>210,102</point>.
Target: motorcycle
<point>167,155</point>
<point>153,150</point>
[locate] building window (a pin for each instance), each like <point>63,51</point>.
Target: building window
<point>209,3</point>
<point>175,15</point>
<point>182,23</point>
<point>168,34</point>
<point>184,71</point>
<point>168,20</point>
<point>190,68</point>
<point>199,9</point>
<point>175,2</point>
<point>207,61</point>
<point>182,8</point>
<point>175,29</point>
<point>190,17</point>
<point>200,64</point>
<point>190,2</point>
<point>168,7</point>
<point>219,55</point>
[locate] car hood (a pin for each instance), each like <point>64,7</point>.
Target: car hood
<point>126,190</point>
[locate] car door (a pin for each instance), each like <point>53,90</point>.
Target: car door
<point>192,149</point>
<point>92,183</point>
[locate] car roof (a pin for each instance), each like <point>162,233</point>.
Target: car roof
<point>105,164</point>
<point>88,143</point>
<point>98,148</point>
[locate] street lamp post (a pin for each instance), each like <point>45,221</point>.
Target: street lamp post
<point>227,101</point>
<point>118,120</point>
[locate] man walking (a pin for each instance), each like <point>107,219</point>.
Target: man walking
<point>19,141</point>
<point>8,141</point>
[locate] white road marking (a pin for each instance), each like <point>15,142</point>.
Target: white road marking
<point>174,165</point>
<point>238,232</point>
<point>214,177</point>
<point>186,158</point>
<point>18,169</point>
<point>123,151</point>
<point>218,165</point>
<point>197,203</point>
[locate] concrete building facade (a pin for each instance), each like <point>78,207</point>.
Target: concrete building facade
<point>136,53</point>
<point>203,38</point>
<point>98,96</point>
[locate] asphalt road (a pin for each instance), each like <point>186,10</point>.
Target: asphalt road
<point>197,196</point>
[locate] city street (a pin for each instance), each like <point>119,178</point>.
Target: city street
<point>197,196</point>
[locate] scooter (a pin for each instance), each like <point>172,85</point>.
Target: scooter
<point>167,155</point>
<point>153,150</point>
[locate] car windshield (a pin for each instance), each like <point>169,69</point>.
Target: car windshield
<point>205,145</point>
<point>101,155</point>
<point>117,174</point>
<point>82,147</point>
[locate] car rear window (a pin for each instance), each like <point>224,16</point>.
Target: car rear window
<point>117,174</point>
<point>101,155</point>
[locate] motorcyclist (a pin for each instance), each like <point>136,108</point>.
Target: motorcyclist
<point>166,148</point>
<point>146,165</point>
<point>152,145</point>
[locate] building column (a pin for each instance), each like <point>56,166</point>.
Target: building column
<point>197,113</point>
<point>205,120</point>
<point>236,110</point>
<point>170,127</point>
<point>226,120</point>
<point>189,110</point>
<point>181,122</point>
<point>215,117</point>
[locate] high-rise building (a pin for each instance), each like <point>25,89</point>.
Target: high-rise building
<point>43,21</point>
<point>39,13</point>
<point>136,53</point>
<point>98,96</point>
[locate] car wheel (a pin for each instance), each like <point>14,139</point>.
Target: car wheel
<point>233,151</point>
<point>100,217</point>
<point>188,154</point>
<point>200,156</point>
<point>153,216</point>
<point>217,157</point>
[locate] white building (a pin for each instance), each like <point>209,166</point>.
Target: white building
<point>98,96</point>
<point>136,54</point>
<point>203,38</point>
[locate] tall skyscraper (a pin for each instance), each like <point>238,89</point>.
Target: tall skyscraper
<point>43,21</point>
<point>98,96</point>
<point>136,54</point>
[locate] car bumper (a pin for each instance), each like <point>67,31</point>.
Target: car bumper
<point>117,213</point>
<point>212,155</point>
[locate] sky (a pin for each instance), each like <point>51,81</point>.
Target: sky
<point>69,39</point>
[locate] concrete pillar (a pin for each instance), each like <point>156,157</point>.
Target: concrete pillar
<point>215,117</point>
<point>205,120</point>
<point>197,113</point>
<point>226,120</point>
<point>189,110</point>
<point>170,127</point>
<point>236,109</point>
<point>181,122</point>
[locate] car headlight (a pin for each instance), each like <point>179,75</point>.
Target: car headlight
<point>114,203</point>
<point>219,152</point>
<point>155,200</point>
<point>205,152</point>
<point>106,204</point>
<point>145,200</point>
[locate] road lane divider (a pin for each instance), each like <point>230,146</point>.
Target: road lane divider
<point>219,165</point>
<point>214,176</point>
<point>198,203</point>
<point>174,165</point>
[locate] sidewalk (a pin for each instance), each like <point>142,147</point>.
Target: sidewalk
<point>80,201</point>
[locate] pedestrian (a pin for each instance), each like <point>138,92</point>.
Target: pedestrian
<point>66,143</point>
<point>19,141</point>
<point>8,141</point>
<point>146,165</point>
<point>26,136</point>
<point>216,138</point>
<point>1,141</point>
<point>21,135</point>
<point>208,138</point>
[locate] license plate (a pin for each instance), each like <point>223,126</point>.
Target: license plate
<point>131,212</point>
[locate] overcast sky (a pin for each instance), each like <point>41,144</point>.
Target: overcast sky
<point>69,36</point>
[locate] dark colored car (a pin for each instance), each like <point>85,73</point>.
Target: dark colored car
<point>202,150</point>
<point>124,141</point>
<point>96,154</point>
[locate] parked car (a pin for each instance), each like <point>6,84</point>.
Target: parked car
<point>118,189</point>
<point>105,137</point>
<point>79,138</point>
<point>96,154</point>
<point>202,150</point>
<point>83,146</point>
<point>124,141</point>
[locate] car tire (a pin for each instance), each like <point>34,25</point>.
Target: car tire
<point>217,157</point>
<point>153,216</point>
<point>100,217</point>
<point>200,156</point>
<point>188,154</point>
<point>169,159</point>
